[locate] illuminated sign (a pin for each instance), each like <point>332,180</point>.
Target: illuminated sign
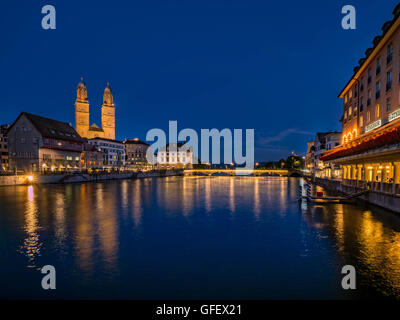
<point>394,115</point>
<point>373,125</point>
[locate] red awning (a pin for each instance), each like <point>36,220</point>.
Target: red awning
<point>386,137</point>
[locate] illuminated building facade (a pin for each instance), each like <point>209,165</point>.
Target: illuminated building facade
<point>310,156</point>
<point>323,141</point>
<point>369,154</point>
<point>135,154</point>
<point>82,114</point>
<point>91,157</point>
<point>3,148</point>
<point>40,144</point>
<point>175,156</point>
<point>113,152</point>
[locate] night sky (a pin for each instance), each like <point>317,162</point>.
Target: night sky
<point>275,66</point>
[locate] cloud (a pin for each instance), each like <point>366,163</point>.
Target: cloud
<point>281,136</point>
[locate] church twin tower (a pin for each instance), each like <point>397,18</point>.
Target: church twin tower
<point>107,129</point>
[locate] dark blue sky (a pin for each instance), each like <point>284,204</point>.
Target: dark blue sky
<point>275,66</point>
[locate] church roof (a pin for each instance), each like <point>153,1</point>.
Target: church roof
<point>94,127</point>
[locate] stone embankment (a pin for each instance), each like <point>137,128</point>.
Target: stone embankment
<point>12,180</point>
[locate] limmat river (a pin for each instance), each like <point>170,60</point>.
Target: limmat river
<point>192,238</point>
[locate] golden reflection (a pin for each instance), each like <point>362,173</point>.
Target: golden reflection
<point>339,226</point>
<point>107,228</point>
<point>60,223</point>
<point>84,238</point>
<point>232,195</point>
<point>32,245</point>
<point>125,197</point>
<point>207,194</point>
<point>369,239</point>
<point>136,204</point>
<point>257,208</point>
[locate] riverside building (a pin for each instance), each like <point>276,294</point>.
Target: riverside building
<point>3,148</point>
<point>113,152</point>
<point>369,153</point>
<point>135,154</point>
<point>38,144</point>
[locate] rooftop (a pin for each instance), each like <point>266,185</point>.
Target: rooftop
<point>50,128</point>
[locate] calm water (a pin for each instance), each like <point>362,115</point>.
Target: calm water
<point>192,237</point>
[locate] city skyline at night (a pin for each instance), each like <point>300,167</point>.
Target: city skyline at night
<point>243,65</point>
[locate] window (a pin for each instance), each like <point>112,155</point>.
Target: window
<point>350,110</point>
<point>389,54</point>
<point>378,90</point>
<point>356,90</point>
<point>369,98</point>
<point>368,116</point>
<point>377,111</point>
<point>361,104</point>
<point>362,84</point>
<point>361,120</point>
<point>389,81</point>
<point>369,76</point>
<point>388,102</point>
<point>350,94</point>
<point>345,98</point>
<point>378,66</point>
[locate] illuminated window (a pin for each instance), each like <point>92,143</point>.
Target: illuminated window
<point>368,116</point>
<point>361,120</point>
<point>377,111</point>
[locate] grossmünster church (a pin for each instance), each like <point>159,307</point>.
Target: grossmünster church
<point>82,125</point>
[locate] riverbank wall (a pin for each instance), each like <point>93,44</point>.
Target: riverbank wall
<point>13,180</point>
<point>381,199</point>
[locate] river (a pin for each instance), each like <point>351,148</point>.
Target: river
<point>192,238</point>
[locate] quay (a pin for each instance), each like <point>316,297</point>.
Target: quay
<point>379,196</point>
<point>26,179</point>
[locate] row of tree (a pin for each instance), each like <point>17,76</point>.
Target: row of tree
<point>291,162</point>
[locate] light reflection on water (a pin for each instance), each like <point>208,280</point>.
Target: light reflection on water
<point>193,237</point>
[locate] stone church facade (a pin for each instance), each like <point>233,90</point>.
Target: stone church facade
<point>82,119</point>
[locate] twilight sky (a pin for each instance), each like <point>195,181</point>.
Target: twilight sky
<point>275,66</point>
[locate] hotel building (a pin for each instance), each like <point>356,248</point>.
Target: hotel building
<point>369,153</point>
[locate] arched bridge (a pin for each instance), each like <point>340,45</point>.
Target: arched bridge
<point>245,172</point>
